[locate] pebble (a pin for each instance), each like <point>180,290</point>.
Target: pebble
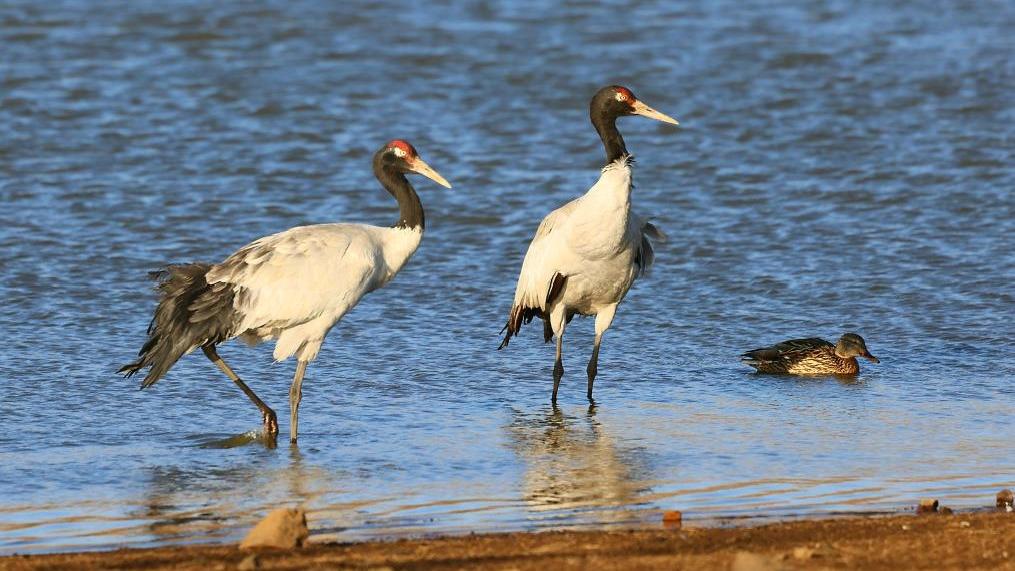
<point>927,506</point>
<point>672,517</point>
<point>285,528</point>
<point>1005,500</point>
<point>964,524</point>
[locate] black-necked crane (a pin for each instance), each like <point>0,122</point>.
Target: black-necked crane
<point>292,287</point>
<point>586,254</point>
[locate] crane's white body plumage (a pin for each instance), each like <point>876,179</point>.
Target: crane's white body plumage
<point>584,258</point>
<point>595,241</point>
<point>292,287</point>
<point>296,285</point>
<point>586,254</point>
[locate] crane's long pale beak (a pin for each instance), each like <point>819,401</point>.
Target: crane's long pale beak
<point>419,166</point>
<point>646,111</point>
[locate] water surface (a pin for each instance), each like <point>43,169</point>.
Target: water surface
<point>838,168</point>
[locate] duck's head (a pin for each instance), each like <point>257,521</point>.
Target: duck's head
<point>852,345</point>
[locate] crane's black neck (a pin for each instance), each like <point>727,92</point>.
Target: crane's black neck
<point>410,210</point>
<point>605,122</point>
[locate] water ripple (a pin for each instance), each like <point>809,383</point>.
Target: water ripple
<point>839,167</point>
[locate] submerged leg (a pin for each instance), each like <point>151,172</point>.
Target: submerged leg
<point>558,323</point>
<point>593,367</point>
<point>295,396</point>
<point>603,320</point>
<point>270,419</point>
<point>558,369</point>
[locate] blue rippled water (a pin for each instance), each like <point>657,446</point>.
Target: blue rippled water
<point>838,167</point>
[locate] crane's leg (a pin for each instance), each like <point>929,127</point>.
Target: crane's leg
<point>295,396</point>
<point>270,419</point>
<point>603,320</point>
<point>558,369</point>
<point>558,323</point>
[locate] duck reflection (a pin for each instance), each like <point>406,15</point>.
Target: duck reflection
<point>572,462</point>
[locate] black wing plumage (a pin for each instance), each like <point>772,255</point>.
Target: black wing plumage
<point>786,351</point>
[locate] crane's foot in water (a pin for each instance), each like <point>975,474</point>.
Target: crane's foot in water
<point>270,423</point>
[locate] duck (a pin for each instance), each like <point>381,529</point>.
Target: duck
<point>812,356</point>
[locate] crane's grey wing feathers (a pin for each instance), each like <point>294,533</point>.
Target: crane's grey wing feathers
<point>652,231</point>
<point>539,282</point>
<point>299,275</point>
<point>646,255</point>
<point>190,313</point>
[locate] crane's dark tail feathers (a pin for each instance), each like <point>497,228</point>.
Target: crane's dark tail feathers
<point>191,313</point>
<point>520,314</point>
<point>516,318</point>
<point>646,254</point>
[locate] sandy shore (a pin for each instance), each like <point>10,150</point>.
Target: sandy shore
<point>957,541</point>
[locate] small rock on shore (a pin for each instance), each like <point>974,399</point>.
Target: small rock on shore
<point>1005,500</point>
<point>284,528</point>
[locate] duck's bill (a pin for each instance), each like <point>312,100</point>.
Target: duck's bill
<point>871,358</point>
<point>419,166</point>
<point>646,111</point>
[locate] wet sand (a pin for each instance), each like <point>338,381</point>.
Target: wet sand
<point>958,541</point>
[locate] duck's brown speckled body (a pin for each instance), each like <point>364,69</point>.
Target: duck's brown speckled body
<point>811,356</point>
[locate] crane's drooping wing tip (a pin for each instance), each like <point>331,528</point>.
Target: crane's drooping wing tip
<point>654,232</point>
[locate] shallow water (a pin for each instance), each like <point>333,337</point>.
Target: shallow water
<point>838,168</point>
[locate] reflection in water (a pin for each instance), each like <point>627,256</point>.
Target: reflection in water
<point>216,502</point>
<point>573,463</point>
<point>266,439</point>
<point>804,380</point>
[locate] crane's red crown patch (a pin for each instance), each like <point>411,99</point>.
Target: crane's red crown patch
<point>404,146</point>
<point>624,94</point>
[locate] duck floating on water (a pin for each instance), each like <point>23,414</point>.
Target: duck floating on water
<point>811,356</point>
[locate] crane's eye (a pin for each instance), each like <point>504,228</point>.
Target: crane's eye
<point>399,152</point>
<point>624,95</point>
